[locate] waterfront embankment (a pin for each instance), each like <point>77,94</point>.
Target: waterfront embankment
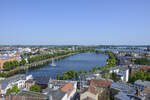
<point>35,64</point>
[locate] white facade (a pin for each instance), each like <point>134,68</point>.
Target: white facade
<point>65,97</point>
<point>122,72</point>
<point>73,91</point>
<point>57,84</point>
<point>19,82</point>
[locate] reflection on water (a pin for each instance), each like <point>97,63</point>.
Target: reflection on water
<point>76,62</point>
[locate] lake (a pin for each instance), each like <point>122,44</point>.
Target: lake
<point>82,61</point>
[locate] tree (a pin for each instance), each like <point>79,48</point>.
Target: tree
<point>14,89</point>
<point>35,88</point>
<point>71,74</point>
<point>2,74</point>
<point>58,76</point>
<point>115,77</point>
<point>10,64</point>
<point>86,71</point>
<point>23,61</point>
<point>139,75</point>
<point>105,73</point>
<point>65,76</point>
<point>141,61</point>
<point>81,71</point>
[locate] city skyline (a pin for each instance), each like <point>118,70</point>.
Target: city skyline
<point>78,22</point>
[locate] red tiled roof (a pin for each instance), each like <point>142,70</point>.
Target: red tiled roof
<point>94,83</point>
<point>100,83</point>
<point>145,68</point>
<point>68,88</point>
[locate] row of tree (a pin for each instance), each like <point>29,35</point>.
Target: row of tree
<point>47,56</point>
<point>12,64</point>
<point>71,74</point>
<point>142,61</point>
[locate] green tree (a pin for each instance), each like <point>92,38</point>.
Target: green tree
<point>81,71</point>
<point>58,76</point>
<point>141,61</point>
<point>139,75</point>
<point>14,89</point>
<point>10,64</point>
<point>114,77</point>
<point>86,71</point>
<point>35,88</point>
<point>2,74</point>
<point>105,73</point>
<point>23,61</point>
<point>65,76</point>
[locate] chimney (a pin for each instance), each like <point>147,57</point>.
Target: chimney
<point>138,92</point>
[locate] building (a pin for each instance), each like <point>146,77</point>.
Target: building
<point>117,87</point>
<point>125,96</point>
<point>18,80</point>
<point>133,69</point>
<point>121,71</point>
<point>69,89</point>
<point>29,83</point>
<point>61,89</point>
<point>145,68</point>
<point>122,91</point>
<point>56,84</point>
<point>139,84</point>
<point>97,88</point>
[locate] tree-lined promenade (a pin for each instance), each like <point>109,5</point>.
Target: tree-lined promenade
<point>14,67</point>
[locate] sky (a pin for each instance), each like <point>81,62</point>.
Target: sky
<point>77,22</point>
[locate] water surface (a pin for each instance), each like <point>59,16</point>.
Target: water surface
<point>82,61</point>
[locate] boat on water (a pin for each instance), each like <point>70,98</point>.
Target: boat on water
<point>53,63</point>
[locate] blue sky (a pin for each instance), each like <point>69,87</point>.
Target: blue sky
<point>87,22</point>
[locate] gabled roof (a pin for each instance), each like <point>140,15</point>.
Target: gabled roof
<point>56,94</point>
<point>94,83</point>
<point>145,68</point>
<point>123,87</point>
<point>68,88</point>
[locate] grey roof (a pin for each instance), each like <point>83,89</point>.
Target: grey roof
<point>144,83</point>
<point>122,96</point>
<point>126,96</point>
<point>123,87</point>
<point>57,82</point>
<point>4,83</point>
<point>56,94</point>
<point>42,79</point>
<point>119,67</point>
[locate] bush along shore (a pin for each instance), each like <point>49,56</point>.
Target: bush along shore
<point>14,67</point>
<point>71,74</point>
